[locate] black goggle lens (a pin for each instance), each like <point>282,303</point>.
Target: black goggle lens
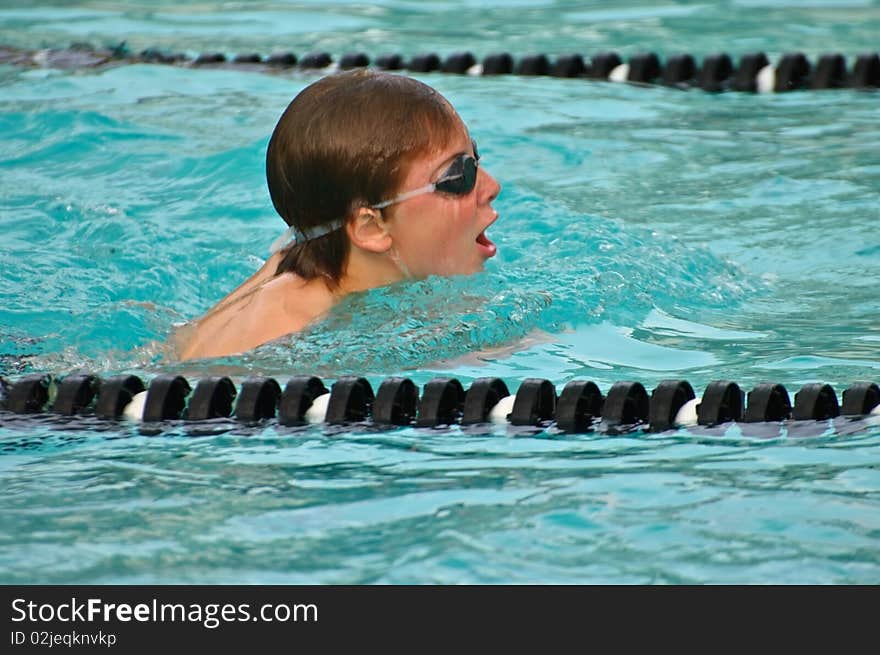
<point>461,177</point>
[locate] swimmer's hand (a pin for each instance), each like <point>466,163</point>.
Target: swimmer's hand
<point>533,338</point>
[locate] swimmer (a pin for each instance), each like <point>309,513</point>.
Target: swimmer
<point>379,181</point>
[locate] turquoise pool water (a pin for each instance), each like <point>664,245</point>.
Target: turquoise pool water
<point>645,233</point>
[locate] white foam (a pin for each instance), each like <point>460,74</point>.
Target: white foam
<point>766,79</point>
<point>876,411</point>
<point>134,411</point>
<point>502,410</point>
<point>317,413</point>
<point>619,73</point>
<point>687,415</point>
<point>476,69</point>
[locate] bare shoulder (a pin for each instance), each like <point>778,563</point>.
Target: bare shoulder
<point>262,309</point>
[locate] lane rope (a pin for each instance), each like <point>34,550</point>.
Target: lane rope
<point>751,73</point>
<point>580,407</point>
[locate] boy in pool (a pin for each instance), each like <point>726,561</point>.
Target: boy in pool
<point>378,179</point>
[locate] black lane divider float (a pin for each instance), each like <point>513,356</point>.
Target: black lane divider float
<point>444,402</point>
<point>716,72</point>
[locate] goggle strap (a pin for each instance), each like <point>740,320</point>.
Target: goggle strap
<point>295,235</point>
<point>428,188</point>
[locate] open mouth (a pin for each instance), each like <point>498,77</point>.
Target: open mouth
<point>486,246</point>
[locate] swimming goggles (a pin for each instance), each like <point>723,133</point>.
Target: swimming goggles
<point>459,179</point>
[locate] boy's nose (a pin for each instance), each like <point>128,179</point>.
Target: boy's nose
<point>489,188</point>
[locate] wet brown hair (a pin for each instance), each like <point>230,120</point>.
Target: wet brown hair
<point>345,142</point>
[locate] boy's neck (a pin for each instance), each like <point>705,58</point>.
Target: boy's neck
<point>366,270</point>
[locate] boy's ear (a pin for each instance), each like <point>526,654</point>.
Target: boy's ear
<point>368,231</point>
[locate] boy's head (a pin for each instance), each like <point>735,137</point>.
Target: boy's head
<point>346,141</point>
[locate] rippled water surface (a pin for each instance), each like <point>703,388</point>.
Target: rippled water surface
<point>645,234</point>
